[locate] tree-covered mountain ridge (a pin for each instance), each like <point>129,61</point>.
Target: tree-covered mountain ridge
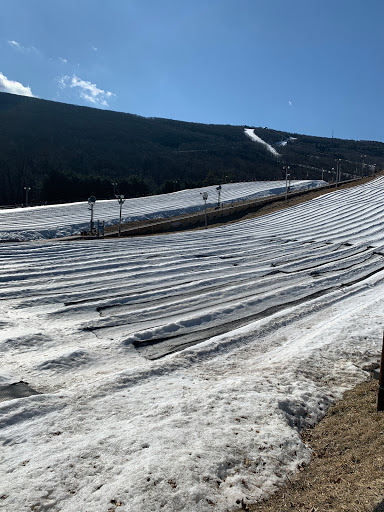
<point>66,152</point>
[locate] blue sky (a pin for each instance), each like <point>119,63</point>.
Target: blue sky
<point>305,66</point>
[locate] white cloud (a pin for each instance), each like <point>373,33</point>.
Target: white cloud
<point>20,48</point>
<point>290,103</point>
<point>15,44</point>
<point>94,48</point>
<point>14,87</point>
<point>61,59</point>
<point>87,91</point>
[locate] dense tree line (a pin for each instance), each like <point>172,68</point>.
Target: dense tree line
<point>67,153</point>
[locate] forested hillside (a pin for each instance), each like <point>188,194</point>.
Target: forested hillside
<point>66,152</point>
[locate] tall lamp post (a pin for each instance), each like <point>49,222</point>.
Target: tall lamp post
<point>91,204</point>
<point>120,200</point>
<point>287,175</point>
<point>27,189</point>
<point>205,197</point>
<point>114,184</point>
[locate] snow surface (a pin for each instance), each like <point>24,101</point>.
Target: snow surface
<point>251,133</point>
<point>178,370</point>
<point>52,221</point>
<point>285,142</point>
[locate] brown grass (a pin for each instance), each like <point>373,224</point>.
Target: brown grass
<point>346,472</point>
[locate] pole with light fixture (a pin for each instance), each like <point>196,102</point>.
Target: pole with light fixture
<point>287,175</point>
<point>27,189</point>
<point>120,200</point>
<point>91,204</point>
<point>338,160</point>
<point>205,197</point>
<point>218,195</point>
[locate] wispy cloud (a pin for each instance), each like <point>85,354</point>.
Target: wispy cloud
<point>290,103</point>
<point>15,44</point>
<point>14,87</point>
<point>61,59</point>
<point>94,48</point>
<point>23,49</point>
<point>87,91</point>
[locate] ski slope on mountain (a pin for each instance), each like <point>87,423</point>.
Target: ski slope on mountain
<point>67,219</point>
<point>250,132</point>
<point>177,371</point>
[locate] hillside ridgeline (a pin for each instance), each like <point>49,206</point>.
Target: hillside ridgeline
<point>67,153</point>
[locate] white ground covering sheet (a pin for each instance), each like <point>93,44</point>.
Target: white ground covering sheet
<point>67,219</point>
<point>177,370</point>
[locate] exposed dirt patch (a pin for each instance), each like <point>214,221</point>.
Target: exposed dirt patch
<point>346,472</point>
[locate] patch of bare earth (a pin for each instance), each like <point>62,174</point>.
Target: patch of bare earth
<point>346,472</point>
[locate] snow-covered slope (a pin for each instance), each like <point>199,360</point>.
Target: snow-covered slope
<point>67,219</point>
<point>251,133</point>
<point>178,370</point>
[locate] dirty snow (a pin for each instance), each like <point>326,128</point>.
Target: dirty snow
<point>177,371</point>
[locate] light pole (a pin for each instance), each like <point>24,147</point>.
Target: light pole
<point>120,200</point>
<point>114,184</point>
<point>338,160</point>
<point>91,204</point>
<point>286,168</point>
<point>205,197</point>
<point>363,157</point>
<point>218,195</point>
<point>27,189</point>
